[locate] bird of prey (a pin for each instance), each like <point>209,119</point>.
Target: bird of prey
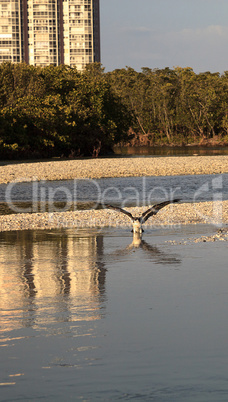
<point>139,221</point>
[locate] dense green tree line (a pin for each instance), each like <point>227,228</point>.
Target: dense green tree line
<point>175,106</point>
<point>55,111</point>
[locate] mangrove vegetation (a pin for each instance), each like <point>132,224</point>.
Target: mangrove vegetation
<point>58,111</point>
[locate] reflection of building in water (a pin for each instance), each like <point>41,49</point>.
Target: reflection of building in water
<point>41,273</point>
<point>12,285</point>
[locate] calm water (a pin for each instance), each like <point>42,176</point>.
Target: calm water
<point>87,316</point>
<point>130,191</point>
<point>171,151</point>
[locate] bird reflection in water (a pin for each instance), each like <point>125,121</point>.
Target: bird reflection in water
<point>154,253</point>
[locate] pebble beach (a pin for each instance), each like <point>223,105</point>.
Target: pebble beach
<point>177,214</point>
<point>113,167</point>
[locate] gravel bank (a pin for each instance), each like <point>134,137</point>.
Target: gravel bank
<point>114,167</point>
<point>174,214</point>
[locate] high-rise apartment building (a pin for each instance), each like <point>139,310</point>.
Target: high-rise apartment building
<point>43,32</point>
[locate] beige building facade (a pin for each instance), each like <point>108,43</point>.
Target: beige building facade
<point>44,32</point>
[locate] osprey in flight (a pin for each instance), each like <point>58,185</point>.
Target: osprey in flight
<point>138,221</point>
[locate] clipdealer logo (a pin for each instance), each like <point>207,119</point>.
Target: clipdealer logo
<point>43,196</point>
<point>214,188</point>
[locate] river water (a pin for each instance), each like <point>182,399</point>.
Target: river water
<point>50,196</point>
<point>87,315</point>
<point>187,150</point>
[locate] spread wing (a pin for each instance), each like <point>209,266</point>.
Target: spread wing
<point>120,210</point>
<point>154,210</point>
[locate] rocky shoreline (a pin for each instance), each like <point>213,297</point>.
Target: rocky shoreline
<point>176,214</point>
<point>113,167</point>
<point>183,213</point>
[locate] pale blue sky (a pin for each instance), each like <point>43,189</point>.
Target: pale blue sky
<point>165,33</point>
